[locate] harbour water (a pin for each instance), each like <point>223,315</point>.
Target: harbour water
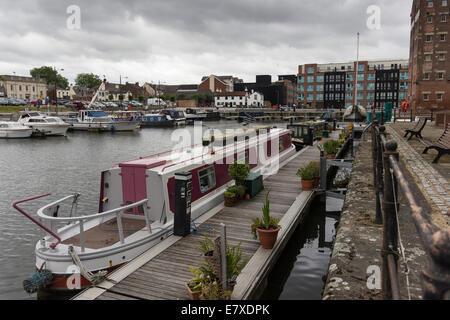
<point>302,267</point>
<point>61,166</point>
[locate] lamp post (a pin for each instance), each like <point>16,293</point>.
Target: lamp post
<point>56,90</point>
<point>120,89</point>
<point>246,91</point>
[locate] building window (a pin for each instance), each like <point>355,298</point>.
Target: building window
<point>444,18</point>
<point>301,88</point>
<point>207,179</point>
<point>439,96</point>
<point>444,3</point>
<point>310,70</point>
<point>361,68</point>
<point>430,4</point>
<point>442,56</point>
<point>426,76</point>
<point>440,75</point>
<point>311,79</point>
<point>320,97</point>
<point>426,97</point>
<point>349,77</point>
<point>310,97</point>
<point>301,79</point>
<point>443,37</point>
<point>429,38</point>
<point>319,88</point>
<point>310,88</point>
<point>319,78</point>
<point>428,57</point>
<point>429,19</point>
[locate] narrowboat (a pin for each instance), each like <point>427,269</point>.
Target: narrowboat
<point>156,120</point>
<point>137,203</point>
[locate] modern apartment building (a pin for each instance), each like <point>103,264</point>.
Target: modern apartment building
<point>336,85</point>
<point>430,55</point>
<point>26,88</point>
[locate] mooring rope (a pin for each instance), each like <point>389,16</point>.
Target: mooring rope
<point>91,277</point>
<point>402,248</point>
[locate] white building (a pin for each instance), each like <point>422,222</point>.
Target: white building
<point>239,99</point>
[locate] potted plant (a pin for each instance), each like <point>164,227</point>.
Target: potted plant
<point>239,172</point>
<point>207,248</point>
<point>230,197</point>
<point>315,165</point>
<point>202,276</point>
<point>307,174</point>
<point>331,148</point>
<point>235,263</point>
<point>266,229</point>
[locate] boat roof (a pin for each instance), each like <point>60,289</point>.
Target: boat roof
<point>180,159</point>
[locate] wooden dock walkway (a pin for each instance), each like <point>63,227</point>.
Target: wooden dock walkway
<point>162,272</point>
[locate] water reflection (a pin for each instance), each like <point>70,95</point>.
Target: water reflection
<point>299,272</point>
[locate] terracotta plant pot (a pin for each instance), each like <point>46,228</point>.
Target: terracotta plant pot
<point>330,156</point>
<point>267,238</point>
<point>307,185</point>
<point>193,295</point>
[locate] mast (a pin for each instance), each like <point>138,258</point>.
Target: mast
<point>356,72</point>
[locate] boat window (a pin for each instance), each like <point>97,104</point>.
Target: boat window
<point>96,114</point>
<point>242,157</point>
<point>207,178</point>
<point>51,120</point>
<point>3,126</point>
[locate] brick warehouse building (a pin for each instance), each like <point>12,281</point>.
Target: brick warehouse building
<point>334,85</point>
<point>430,55</point>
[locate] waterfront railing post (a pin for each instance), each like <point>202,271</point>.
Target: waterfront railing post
<point>390,226</point>
<point>223,255</point>
<point>323,171</point>
<point>379,187</point>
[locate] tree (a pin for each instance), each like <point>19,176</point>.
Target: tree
<point>121,97</point>
<point>111,97</point>
<point>141,99</point>
<point>88,80</point>
<point>48,73</point>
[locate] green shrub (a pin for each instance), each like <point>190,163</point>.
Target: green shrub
<point>331,147</point>
<point>267,222</point>
<point>307,173</point>
<point>239,172</point>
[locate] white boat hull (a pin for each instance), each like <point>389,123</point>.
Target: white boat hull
<point>51,130</point>
<point>105,126</point>
<point>16,134</point>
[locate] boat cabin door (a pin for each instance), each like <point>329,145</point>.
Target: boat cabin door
<point>134,188</point>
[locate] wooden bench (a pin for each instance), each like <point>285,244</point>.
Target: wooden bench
<point>442,145</point>
<point>417,130</point>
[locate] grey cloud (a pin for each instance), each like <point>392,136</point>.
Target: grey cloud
<point>181,40</point>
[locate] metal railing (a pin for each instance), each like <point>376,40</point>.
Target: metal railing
<point>52,208</point>
<point>388,180</point>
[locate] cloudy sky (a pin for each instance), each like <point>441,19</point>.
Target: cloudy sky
<point>179,41</point>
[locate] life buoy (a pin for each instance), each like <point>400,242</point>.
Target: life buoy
<point>405,106</point>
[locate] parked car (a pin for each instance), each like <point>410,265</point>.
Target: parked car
<point>3,101</point>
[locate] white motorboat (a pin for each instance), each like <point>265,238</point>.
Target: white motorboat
<point>138,200</point>
<point>98,120</point>
<point>14,130</point>
<point>43,124</point>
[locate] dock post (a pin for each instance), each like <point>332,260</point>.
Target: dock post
<point>323,172</point>
<point>223,255</point>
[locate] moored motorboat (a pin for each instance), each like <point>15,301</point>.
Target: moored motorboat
<point>14,130</point>
<point>43,124</point>
<point>98,120</point>
<point>157,120</point>
<point>137,203</point>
